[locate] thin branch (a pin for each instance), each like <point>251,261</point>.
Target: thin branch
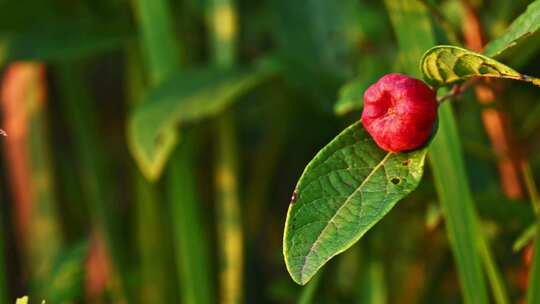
<point>458,89</point>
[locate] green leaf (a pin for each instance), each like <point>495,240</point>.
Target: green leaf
<point>66,280</point>
<point>317,41</point>
<point>443,65</point>
<point>345,190</point>
<point>524,238</point>
<point>63,40</point>
<point>533,292</point>
<point>521,29</point>
<point>186,96</point>
<point>351,96</point>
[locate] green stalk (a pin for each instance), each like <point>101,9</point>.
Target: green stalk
<point>415,35</point>
<point>456,200</point>
<point>222,19</point>
<point>158,40</point>
<point>81,117</point>
<point>533,291</point>
<point>373,288</point>
<point>190,244</point>
<point>190,235</point>
<point>500,295</point>
<point>148,223</point>
<point>228,213</point>
<point>309,291</point>
<point>161,54</point>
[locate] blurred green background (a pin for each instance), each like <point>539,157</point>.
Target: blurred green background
<point>153,147</point>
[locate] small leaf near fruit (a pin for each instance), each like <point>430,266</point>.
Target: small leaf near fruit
<point>444,65</point>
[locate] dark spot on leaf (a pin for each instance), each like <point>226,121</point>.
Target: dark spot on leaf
<point>395,180</point>
<point>294,197</point>
<point>405,163</point>
<point>158,141</point>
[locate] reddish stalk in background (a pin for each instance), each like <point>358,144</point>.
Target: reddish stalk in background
<point>98,268</point>
<point>496,123</point>
<point>29,171</point>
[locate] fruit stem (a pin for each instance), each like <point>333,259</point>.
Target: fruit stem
<point>457,90</point>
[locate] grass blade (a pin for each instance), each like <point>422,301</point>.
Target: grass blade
<point>189,231</point>
<point>162,58</point>
<point>81,116</point>
<point>373,288</point>
<point>222,19</point>
<point>308,292</point>
<point>415,35</point>
<point>150,240</point>
<point>533,292</point>
<point>457,204</point>
<point>229,222</point>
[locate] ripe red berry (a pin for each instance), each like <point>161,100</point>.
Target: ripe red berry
<point>399,112</point>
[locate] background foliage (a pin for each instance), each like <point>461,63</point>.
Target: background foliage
<point>153,147</point>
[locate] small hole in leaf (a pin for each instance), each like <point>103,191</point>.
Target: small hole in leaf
<point>395,180</point>
<point>405,163</point>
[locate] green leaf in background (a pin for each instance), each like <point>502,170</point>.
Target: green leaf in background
<point>351,96</point>
<point>63,40</point>
<point>522,28</point>
<point>345,190</point>
<point>533,292</point>
<point>443,65</point>
<point>66,280</point>
<point>184,97</point>
<point>316,39</point>
<point>526,237</point>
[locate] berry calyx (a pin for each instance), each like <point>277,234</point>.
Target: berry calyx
<point>399,112</point>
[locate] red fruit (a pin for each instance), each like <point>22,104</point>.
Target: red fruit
<point>399,112</point>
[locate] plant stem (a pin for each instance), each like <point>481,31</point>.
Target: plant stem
<point>228,217</point>
<point>29,169</point>
<point>190,244</point>
<point>308,292</point>
<point>413,29</point>
<point>496,282</point>
<point>530,185</point>
<point>81,117</point>
<point>189,231</point>
<point>222,24</point>
<point>147,217</point>
<point>449,173</point>
<point>533,290</point>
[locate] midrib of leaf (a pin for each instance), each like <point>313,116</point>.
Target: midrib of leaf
<point>347,201</point>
